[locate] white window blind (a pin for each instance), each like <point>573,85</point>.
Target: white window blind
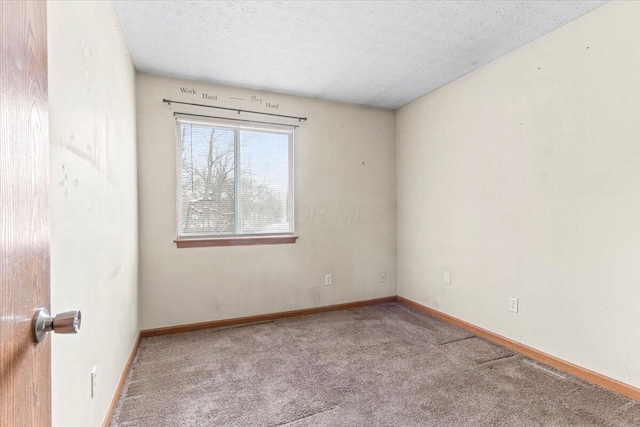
<point>233,180</point>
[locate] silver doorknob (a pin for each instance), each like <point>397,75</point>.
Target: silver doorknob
<point>64,323</point>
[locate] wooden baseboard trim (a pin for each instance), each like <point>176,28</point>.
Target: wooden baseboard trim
<point>146,333</point>
<point>562,365</point>
<point>123,379</point>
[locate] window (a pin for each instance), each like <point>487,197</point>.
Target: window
<point>234,183</point>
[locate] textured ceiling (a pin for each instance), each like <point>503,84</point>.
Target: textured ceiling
<point>377,53</point>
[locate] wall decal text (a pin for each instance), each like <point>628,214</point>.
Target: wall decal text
<point>255,99</point>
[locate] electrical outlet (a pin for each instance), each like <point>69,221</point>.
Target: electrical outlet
<point>447,278</point>
<point>94,381</point>
<point>327,279</point>
<point>513,304</point>
<point>383,276</point>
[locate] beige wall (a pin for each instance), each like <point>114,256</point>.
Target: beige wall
<point>523,179</point>
<point>345,192</point>
<point>94,219</point>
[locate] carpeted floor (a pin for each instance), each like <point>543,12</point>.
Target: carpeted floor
<point>383,365</point>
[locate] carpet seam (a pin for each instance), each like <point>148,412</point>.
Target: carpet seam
<point>307,416</point>
<point>458,340</point>
<point>496,359</point>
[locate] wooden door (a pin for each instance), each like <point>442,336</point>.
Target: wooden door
<point>25,367</point>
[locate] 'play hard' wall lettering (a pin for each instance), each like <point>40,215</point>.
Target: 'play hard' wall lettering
<point>254,99</point>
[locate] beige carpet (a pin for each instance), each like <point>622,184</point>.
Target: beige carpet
<point>384,365</point>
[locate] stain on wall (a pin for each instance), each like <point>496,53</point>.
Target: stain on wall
<point>94,244</point>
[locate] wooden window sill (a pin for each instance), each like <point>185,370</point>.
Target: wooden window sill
<point>234,241</point>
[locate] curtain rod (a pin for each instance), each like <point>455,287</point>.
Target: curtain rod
<point>235,120</point>
<point>168,101</point>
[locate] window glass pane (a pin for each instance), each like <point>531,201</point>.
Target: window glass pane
<point>265,186</point>
<point>212,202</point>
<point>206,199</point>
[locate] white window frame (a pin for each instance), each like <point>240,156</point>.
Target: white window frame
<point>193,240</point>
